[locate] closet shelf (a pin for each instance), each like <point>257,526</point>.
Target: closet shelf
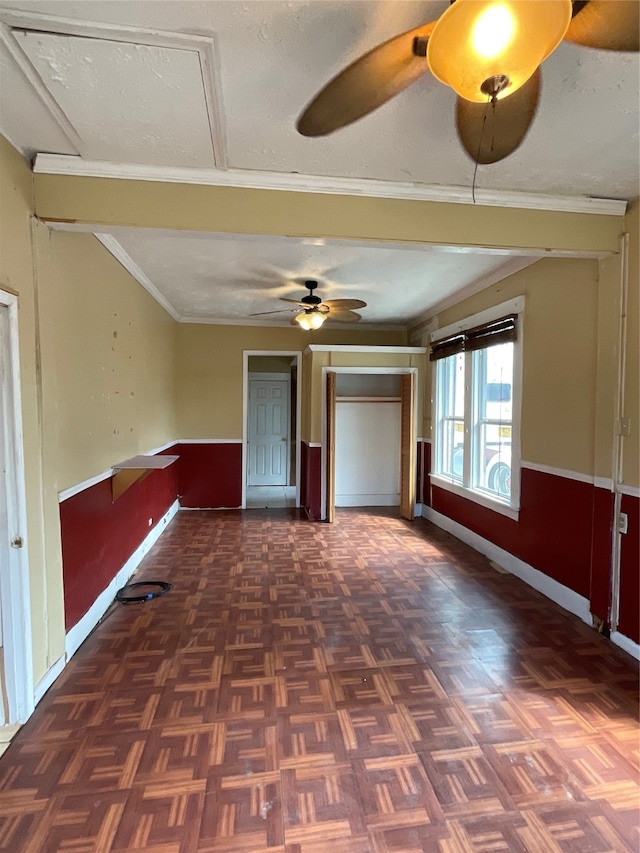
<point>370,399</point>
<point>131,471</point>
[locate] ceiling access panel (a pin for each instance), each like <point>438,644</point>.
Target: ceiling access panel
<point>128,102</point>
<point>24,121</point>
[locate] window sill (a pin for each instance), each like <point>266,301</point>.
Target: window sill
<point>477,497</point>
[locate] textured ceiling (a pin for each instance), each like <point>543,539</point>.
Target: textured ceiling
<point>150,96</point>
<point>233,278</point>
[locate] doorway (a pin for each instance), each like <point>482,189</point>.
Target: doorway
<point>396,390</point>
<point>367,440</point>
<point>271,429</point>
<point>16,664</point>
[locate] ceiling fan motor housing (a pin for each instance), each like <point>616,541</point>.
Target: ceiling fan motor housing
<point>310,299</point>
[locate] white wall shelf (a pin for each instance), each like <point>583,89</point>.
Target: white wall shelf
<point>133,470</point>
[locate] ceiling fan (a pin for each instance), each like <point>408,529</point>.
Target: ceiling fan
<point>489,52</point>
<point>312,311</point>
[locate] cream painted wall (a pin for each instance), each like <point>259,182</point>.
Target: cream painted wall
<point>371,359</point>
<point>269,364</point>
<point>209,370</point>
<point>108,353</point>
<point>97,362</point>
<point>560,339</point>
<point>42,541</point>
<point>90,398</point>
<point>307,374</point>
<point>631,443</point>
<point>320,359</point>
<point>317,360</point>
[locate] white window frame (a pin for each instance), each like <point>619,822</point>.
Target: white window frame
<point>510,508</point>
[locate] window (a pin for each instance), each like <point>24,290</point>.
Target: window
<point>477,407</point>
<point>451,422</point>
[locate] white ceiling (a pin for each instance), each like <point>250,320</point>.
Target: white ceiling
<point>232,278</point>
<point>218,85</point>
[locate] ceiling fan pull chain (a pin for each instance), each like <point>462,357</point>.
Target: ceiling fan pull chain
<point>493,123</point>
<point>475,170</point>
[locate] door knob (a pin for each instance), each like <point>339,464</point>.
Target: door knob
<point>17,542</point>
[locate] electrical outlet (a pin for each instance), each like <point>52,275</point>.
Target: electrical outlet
<point>150,522</point>
<point>623,522</point>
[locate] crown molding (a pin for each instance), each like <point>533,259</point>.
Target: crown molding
<point>113,246</point>
<point>285,324</point>
<point>57,164</point>
<point>510,267</point>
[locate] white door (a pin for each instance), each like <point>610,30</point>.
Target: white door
<point>268,432</point>
<point>16,683</point>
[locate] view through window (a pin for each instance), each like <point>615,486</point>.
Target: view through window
<point>474,411</point>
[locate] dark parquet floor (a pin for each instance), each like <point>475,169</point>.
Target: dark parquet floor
<point>371,686</point>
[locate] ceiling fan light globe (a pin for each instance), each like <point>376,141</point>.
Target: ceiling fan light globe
<point>310,320</point>
<point>475,40</point>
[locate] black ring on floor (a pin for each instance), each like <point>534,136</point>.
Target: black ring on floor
<point>127,599</point>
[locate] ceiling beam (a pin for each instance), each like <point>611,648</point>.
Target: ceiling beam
<point>62,164</point>
<point>225,209</point>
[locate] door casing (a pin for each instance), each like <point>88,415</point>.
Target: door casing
<point>293,354</point>
<point>14,565</point>
<point>329,445</point>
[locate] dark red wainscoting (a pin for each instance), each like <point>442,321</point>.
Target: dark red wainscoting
<point>304,487</point>
<point>99,536</point>
<point>209,475</point>
<point>601,539</point>
<point>311,480</point>
<point>425,471</point>
<point>553,533</point>
<point>629,571</point>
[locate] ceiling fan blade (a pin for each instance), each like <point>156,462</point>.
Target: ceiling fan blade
<point>344,304</point>
<point>606,24</point>
<point>366,84</point>
<point>345,316</point>
<point>281,311</point>
<point>493,139</point>
<point>294,301</point>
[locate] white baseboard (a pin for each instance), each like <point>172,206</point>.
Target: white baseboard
<point>7,733</point>
<point>626,644</point>
<point>557,592</point>
<point>48,678</point>
<point>208,508</point>
<point>79,633</point>
<point>368,500</point>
